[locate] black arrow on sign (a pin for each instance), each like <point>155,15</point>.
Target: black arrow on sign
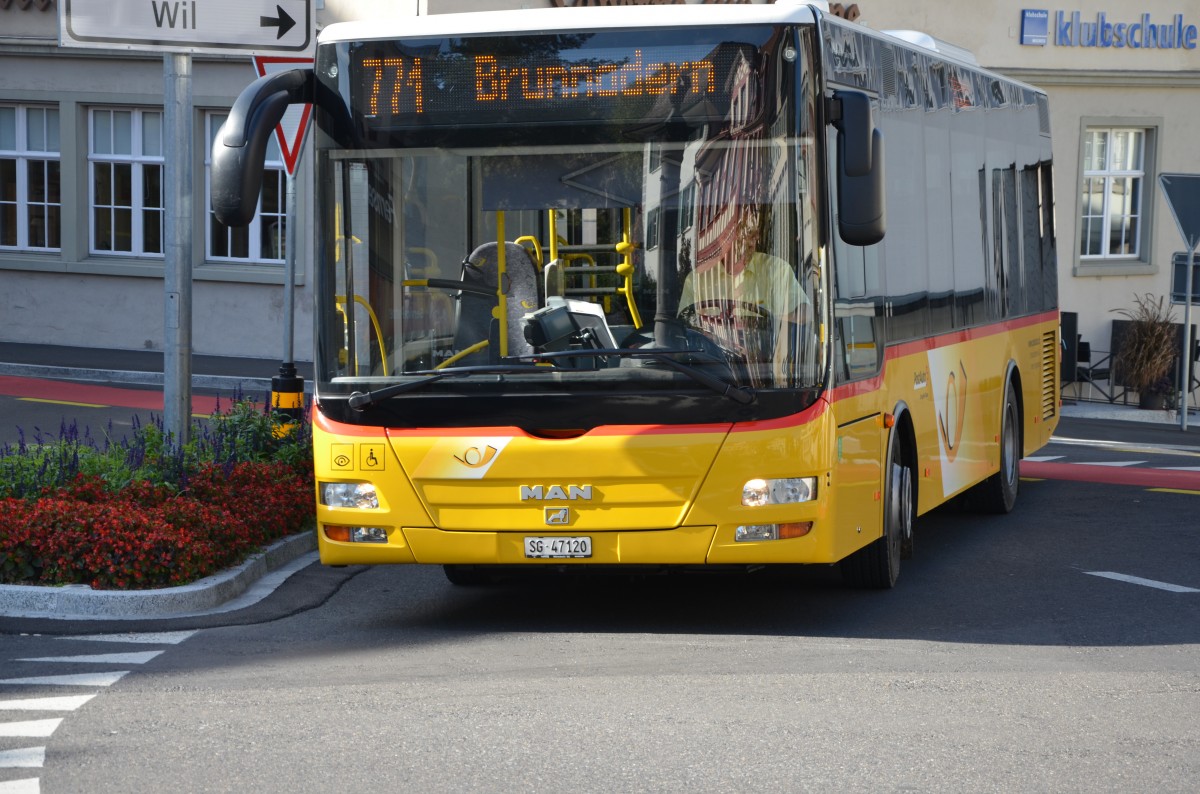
<point>283,22</point>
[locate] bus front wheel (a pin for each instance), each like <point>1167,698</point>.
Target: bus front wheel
<point>877,566</point>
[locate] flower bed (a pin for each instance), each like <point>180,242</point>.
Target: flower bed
<point>146,536</point>
<point>141,514</point>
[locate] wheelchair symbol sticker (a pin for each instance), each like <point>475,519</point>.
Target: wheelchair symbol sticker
<point>370,457</point>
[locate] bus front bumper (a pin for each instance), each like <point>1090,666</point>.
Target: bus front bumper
<point>705,545</point>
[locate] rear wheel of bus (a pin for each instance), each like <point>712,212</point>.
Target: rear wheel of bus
<point>998,493</point>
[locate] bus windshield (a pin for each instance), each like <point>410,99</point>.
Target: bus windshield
<point>594,212</point>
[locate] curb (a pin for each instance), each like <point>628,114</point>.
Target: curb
<point>81,602</point>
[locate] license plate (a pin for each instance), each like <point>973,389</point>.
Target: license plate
<point>552,547</point>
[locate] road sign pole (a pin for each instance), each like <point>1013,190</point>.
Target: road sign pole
<point>177,248</point>
<point>289,284</point>
<point>1186,382</point>
<point>1182,193</point>
<point>287,388</point>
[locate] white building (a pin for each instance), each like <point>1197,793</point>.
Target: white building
<point>81,163</point>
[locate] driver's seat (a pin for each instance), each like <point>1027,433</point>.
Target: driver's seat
<point>476,321</point>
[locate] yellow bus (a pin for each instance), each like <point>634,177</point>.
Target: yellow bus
<point>740,286</point>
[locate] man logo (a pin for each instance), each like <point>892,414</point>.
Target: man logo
<point>558,516</point>
<point>555,493</point>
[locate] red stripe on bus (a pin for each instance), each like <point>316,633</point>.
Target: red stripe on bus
<point>917,346</point>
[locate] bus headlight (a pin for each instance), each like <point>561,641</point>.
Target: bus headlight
<point>785,491</point>
<point>359,495</point>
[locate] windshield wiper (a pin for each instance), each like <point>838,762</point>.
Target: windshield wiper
<point>359,400</point>
<point>739,394</point>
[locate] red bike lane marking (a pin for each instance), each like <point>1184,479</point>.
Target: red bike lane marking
<point>108,396</point>
<point>1109,475</point>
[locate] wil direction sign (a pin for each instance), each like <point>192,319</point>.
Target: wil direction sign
<point>227,26</point>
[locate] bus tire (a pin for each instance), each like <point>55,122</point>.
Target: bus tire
<point>877,566</point>
<point>998,493</point>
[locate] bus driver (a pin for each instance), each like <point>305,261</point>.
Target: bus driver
<point>745,298</point>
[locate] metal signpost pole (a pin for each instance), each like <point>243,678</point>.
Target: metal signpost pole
<point>287,388</point>
<point>289,272</point>
<point>1186,380</point>
<point>1182,193</point>
<point>177,245</point>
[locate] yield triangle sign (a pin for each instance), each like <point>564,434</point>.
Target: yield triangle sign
<point>291,128</point>
<point>1182,192</point>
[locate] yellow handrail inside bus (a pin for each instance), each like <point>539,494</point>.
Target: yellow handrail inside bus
<point>463,354</point>
<point>625,269</point>
<point>553,219</point>
<point>340,304</point>
<point>537,249</point>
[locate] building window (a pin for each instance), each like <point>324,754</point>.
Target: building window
<point>30,203</point>
<point>263,240</point>
<point>1111,196</point>
<point>126,169</point>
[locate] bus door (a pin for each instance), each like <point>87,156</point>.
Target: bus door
<point>859,384</point>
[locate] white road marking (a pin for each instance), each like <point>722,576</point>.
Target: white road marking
<point>24,758</point>
<point>67,703</point>
<point>1120,577</point>
<point>31,729</point>
<point>1112,463</point>
<point>140,657</point>
<point>1043,458</point>
<point>84,679</point>
<point>26,786</point>
<point>1181,468</point>
<point>144,638</point>
<point>1161,449</point>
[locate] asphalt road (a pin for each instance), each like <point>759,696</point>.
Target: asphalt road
<point>1002,661</point>
<point>1054,649</point>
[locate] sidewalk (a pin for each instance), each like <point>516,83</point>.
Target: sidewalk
<point>140,367</point>
<point>1127,424</point>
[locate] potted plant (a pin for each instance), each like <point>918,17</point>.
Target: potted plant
<point>1148,350</point>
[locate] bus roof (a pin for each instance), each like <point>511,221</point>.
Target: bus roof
<point>550,20</point>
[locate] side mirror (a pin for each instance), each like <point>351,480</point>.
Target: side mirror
<point>860,174</point>
<point>241,143</point>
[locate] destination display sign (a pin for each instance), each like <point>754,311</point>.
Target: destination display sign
<point>550,79</point>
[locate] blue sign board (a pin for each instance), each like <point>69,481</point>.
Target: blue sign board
<point>1073,29</point>
<point>1035,26</point>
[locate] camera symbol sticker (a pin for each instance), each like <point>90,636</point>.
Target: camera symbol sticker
<point>343,457</point>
